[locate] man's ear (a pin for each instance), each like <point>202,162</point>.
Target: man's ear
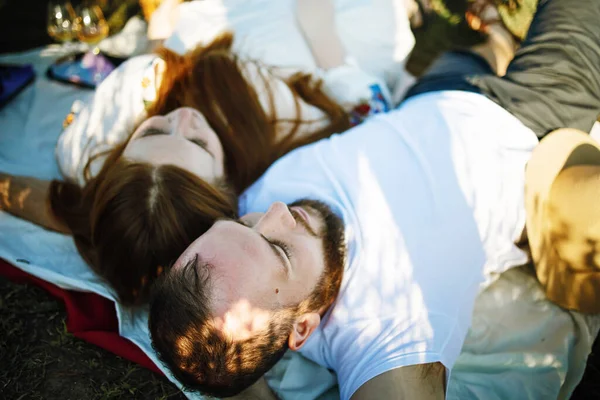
<point>303,327</point>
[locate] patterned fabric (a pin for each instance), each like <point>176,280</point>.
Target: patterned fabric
<point>367,107</point>
<point>359,92</point>
<point>151,81</point>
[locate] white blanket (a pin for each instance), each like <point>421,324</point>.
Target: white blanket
<point>520,346</point>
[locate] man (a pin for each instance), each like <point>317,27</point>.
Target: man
<point>375,276</point>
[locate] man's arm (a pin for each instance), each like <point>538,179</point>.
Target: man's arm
<point>259,391</point>
<point>423,382</point>
<point>27,198</point>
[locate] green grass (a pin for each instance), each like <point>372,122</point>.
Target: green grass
<point>41,360</point>
<point>445,29</point>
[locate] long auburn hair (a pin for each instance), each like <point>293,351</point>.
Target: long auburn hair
<point>132,220</point>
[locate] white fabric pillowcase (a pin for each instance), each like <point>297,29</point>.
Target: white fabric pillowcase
<point>375,33</point>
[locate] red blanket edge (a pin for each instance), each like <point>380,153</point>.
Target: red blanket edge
<point>90,317</point>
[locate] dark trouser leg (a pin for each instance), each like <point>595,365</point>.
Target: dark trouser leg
<point>451,72</point>
<point>554,80</point>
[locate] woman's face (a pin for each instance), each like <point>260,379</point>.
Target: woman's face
<point>181,138</point>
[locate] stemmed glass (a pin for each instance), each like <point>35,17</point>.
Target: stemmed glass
<point>61,17</point>
<point>86,25</point>
<point>91,27</point>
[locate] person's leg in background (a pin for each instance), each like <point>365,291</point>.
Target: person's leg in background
<point>554,79</point>
<point>451,70</point>
<point>500,46</point>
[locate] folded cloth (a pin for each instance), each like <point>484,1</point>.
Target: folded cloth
<point>13,79</point>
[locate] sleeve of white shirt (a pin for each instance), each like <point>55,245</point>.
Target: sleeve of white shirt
<point>365,349</point>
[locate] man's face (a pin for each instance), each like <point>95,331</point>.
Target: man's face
<point>268,261</point>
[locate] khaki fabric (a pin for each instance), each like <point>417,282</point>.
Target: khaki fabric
<point>562,200</point>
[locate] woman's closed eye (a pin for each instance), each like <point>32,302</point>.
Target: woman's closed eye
<point>202,144</point>
<point>153,132</point>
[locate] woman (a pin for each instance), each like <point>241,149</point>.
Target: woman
<point>211,131</point>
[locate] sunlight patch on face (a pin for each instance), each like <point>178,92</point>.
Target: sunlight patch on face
<point>242,321</point>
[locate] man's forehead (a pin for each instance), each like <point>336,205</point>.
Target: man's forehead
<point>228,249</point>
<point>205,244</point>
<point>225,242</point>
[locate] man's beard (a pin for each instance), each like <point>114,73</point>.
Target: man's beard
<point>334,252</point>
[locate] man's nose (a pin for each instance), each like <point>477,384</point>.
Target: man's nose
<point>277,218</point>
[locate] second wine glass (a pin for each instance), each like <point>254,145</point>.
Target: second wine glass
<point>90,25</point>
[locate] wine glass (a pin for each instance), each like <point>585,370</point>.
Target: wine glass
<point>90,25</point>
<point>60,21</point>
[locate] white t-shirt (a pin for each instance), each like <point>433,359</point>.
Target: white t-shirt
<point>431,195</point>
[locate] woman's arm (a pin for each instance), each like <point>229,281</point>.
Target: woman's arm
<point>360,93</point>
<point>317,22</point>
<point>27,198</point>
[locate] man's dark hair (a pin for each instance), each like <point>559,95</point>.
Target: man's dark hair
<point>198,354</point>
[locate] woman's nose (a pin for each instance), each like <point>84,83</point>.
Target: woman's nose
<point>180,121</point>
<point>277,218</point>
